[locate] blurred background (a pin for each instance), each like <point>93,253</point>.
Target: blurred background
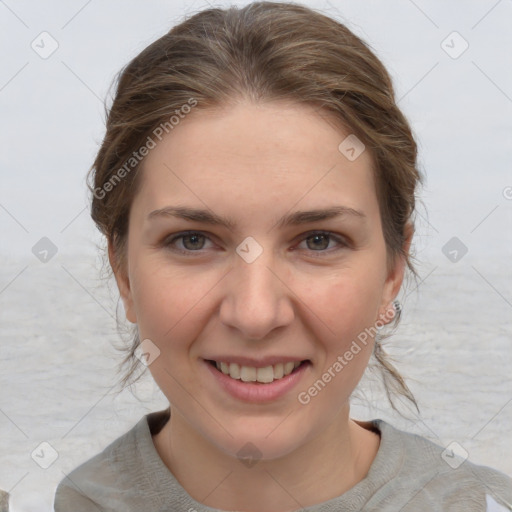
<point>58,400</point>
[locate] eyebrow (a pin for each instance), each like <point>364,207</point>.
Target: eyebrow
<point>291,219</point>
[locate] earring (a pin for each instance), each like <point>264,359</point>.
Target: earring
<point>397,306</point>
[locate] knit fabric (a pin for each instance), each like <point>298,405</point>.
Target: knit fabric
<point>408,474</point>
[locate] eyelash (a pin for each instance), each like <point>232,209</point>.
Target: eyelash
<point>169,241</point>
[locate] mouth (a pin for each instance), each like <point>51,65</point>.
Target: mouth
<point>264,375</point>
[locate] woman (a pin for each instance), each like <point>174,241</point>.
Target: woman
<point>256,186</point>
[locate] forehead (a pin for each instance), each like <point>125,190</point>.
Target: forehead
<point>258,154</point>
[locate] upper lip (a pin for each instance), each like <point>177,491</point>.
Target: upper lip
<point>257,363</point>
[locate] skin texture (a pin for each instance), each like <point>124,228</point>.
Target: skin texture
<point>301,297</point>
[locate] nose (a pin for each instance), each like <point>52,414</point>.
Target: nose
<point>257,300</point>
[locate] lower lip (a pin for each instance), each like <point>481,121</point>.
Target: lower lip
<point>257,392</point>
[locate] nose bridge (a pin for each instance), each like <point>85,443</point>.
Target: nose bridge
<point>256,301</point>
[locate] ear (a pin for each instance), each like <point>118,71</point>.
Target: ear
<point>395,278</point>
<point>123,284</point>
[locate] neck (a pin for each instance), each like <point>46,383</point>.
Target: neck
<point>321,469</point>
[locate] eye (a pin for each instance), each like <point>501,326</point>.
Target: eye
<point>192,241</point>
<point>320,241</point>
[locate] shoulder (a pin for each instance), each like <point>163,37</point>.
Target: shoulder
<point>112,479</point>
<point>425,473</point>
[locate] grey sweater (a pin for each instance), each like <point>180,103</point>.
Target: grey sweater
<point>408,474</point>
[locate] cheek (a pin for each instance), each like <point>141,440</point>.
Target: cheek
<point>348,307</point>
<point>170,305</point>
<point>169,302</point>
<point>347,303</point>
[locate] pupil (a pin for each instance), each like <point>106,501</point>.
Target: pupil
<point>194,240</point>
<point>320,236</point>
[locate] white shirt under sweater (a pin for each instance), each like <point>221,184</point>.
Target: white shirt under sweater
<point>408,474</point>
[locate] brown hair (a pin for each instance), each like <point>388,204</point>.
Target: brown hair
<point>265,51</point>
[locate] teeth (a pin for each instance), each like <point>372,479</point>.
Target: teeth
<point>234,370</point>
<point>265,374</point>
<point>288,368</point>
<point>278,371</point>
<point>251,374</point>
<point>248,374</point>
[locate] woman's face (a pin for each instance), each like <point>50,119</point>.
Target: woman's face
<point>265,289</point>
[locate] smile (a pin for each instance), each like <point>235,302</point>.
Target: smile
<point>265,375</point>
<point>270,380</point>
